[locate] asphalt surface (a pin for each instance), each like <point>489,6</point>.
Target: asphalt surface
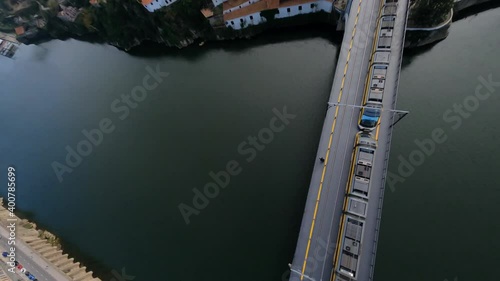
<point>12,276</point>
<point>317,242</point>
<point>32,261</point>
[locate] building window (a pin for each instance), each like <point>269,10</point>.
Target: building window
<point>232,22</point>
<point>251,17</point>
<point>288,10</point>
<point>312,5</point>
<point>300,8</point>
<point>241,20</point>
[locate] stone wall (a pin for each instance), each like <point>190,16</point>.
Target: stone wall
<point>47,246</point>
<point>417,37</point>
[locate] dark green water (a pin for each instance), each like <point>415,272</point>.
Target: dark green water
<point>118,208</point>
<point>442,221</point>
<point>120,205</point>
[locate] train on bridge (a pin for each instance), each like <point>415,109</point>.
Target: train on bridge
<point>352,222</point>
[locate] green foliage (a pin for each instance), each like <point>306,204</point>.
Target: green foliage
<point>269,14</point>
<point>6,28</point>
<point>121,22</point>
<point>79,3</point>
<point>4,6</point>
<point>428,13</point>
<point>28,11</point>
<point>53,5</point>
<point>87,19</point>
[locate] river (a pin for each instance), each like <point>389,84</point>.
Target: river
<point>118,208</point>
<point>440,222</point>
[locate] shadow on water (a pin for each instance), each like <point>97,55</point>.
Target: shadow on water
<point>476,9</point>
<point>411,54</point>
<point>268,37</point>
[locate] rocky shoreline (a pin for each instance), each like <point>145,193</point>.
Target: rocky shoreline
<point>47,246</point>
<point>186,31</point>
<point>423,36</point>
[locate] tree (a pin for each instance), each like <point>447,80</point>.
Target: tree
<point>53,5</point>
<point>428,13</point>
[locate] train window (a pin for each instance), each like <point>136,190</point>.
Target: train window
<point>367,150</point>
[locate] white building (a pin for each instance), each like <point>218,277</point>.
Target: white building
<point>153,5</point>
<point>306,8</point>
<point>283,12</point>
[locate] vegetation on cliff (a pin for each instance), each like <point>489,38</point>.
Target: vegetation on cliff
<point>126,23</point>
<point>429,13</point>
<point>123,23</point>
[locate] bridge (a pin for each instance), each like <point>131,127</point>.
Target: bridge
<point>341,222</point>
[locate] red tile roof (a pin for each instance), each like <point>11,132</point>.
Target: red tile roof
<point>19,30</point>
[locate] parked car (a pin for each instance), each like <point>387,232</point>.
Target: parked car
<point>19,266</point>
<point>5,254</point>
<point>31,277</point>
<point>27,273</point>
<point>23,270</point>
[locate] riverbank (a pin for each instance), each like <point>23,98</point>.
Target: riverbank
<point>42,248</point>
<point>182,25</point>
<point>417,36</point>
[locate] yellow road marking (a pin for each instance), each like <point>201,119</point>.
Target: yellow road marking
<point>349,180</point>
<point>329,146</point>
<point>341,229</point>
<point>375,39</point>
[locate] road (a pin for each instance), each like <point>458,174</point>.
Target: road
<point>32,261</point>
<point>318,236</point>
<point>12,276</point>
<point>313,259</point>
